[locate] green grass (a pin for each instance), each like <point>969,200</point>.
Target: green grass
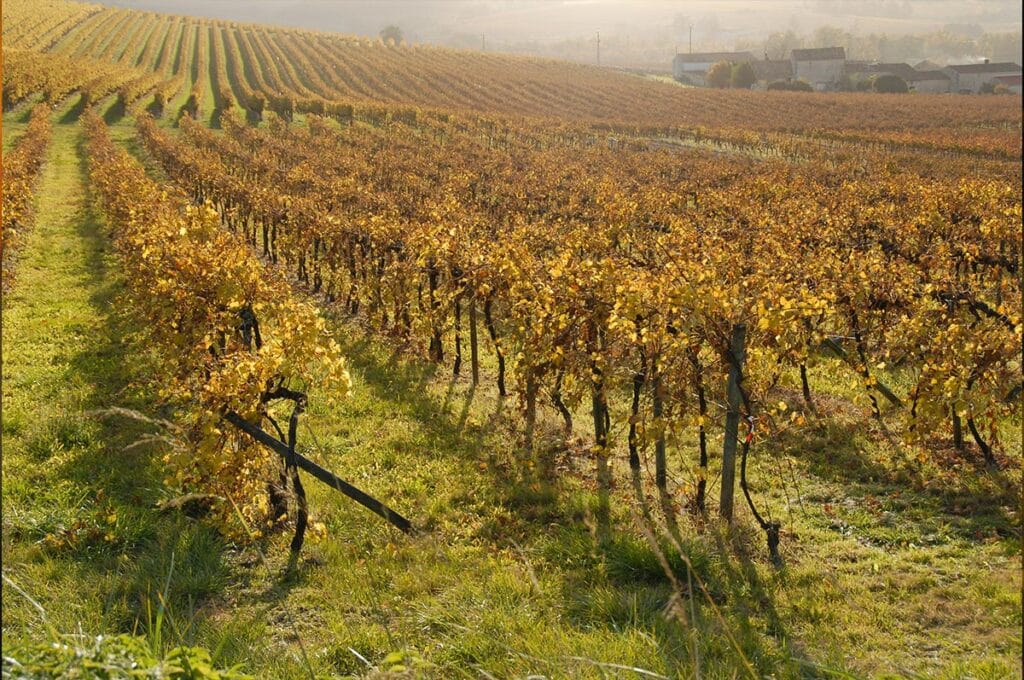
<point>891,566</point>
<point>77,511</point>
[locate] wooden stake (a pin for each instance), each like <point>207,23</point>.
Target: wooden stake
<point>732,420</point>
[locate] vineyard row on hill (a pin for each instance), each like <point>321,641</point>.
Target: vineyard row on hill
<point>55,77</point>
<point>284,70</point>
<point>20,172</point>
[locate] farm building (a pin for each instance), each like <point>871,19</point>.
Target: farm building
<point>822,67</point>
<point>905,71</point>
<point>853,67</point>
<point>690,68</point>
<point>935,82</point>
<point>1011,83</point>
<point>970,77</point>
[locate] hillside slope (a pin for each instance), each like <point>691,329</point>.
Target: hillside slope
<point>227,63</point>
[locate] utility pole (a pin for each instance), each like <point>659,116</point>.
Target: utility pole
<point>483,42</point>
<point>599,48</point>
<point>691,38</point>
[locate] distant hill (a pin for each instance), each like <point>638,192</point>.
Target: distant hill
<point>218,64</point>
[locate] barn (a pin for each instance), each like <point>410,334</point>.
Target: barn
<point>970,77</point>
<point>822,67</point>
<point>934,82</point>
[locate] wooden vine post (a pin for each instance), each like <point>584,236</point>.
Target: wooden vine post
<point>732,420</point>
<point>300,462</point>
<point>473,356</point>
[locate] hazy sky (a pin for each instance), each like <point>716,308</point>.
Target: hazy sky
<point>517,21</point>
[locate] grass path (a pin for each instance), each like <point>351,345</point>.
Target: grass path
<point>79,532</point>
<point>50,321</point>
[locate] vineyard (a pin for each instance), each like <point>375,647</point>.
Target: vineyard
<point>639,380</point>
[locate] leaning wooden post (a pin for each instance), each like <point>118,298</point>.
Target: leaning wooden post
<point>324,475</point>
<point>732,420</point>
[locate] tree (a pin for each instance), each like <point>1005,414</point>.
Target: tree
<point>890,84</point>
<point>719,75</point>
<point>391,34</point>
<point>743,75</point>
<point>790,86</point>
<point>831,35</point>
<point>780,45</point>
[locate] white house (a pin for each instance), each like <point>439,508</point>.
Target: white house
<point>822,67</point>
<point>970,77</point>
<point>934,82</point>
<point>690,68</point>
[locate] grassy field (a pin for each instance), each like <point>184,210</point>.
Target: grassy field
<point>893,566</point>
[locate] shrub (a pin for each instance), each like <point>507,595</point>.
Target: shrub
<point>743,75</point>
<point>889,84</point>
<point>719,75</point>
<point>790,86</point>
<point>854,83</point>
